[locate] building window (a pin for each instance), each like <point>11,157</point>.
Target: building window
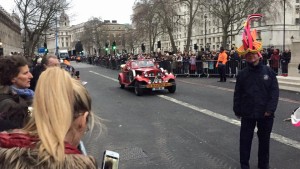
<point>67,44</point>
<point>62,44</point>
<point>297,1</point>
<point>297,21</point>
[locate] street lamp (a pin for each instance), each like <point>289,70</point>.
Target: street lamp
<point>56,38</point>
<point>231,33</point>
<point>283,25</point>
<point>205,17</point>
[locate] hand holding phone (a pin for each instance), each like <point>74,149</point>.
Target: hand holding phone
<point>110,160</point>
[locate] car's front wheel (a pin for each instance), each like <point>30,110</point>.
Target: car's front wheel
<point>122,86</point>
<point>172,88</point>
<point>137,89</point>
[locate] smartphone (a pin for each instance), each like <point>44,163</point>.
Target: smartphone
<point>110,160</point>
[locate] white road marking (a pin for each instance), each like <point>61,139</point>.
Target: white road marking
<point>277,137</point>
<point>104,76</point>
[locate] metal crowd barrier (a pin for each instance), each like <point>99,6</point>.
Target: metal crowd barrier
<point>201,68</point>
<point>205,68</point>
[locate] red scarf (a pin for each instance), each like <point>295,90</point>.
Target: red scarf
<point>24,140</point>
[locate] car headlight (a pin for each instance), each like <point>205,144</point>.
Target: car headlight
<point>145,74</point>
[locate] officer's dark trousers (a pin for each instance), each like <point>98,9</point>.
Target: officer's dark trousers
<point>264,127</point>
<point>222,72</point>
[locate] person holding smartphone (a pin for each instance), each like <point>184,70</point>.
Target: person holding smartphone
<point>61,115</point>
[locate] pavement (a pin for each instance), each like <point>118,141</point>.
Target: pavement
<point>289,83</point>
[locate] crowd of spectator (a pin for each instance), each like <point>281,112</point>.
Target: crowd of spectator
<point>201,63</point>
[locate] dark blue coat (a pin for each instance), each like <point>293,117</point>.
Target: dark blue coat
<point>256,92</point>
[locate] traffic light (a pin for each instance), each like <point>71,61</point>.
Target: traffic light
<point>158,44</point>
<point>114,45</point>
<point>46,49</point>
<point>195,47</point>
<point>106,46</point>
<point>143,47</point>
<point>1,51</point>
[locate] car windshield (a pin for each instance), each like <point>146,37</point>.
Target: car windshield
<point>145,63</point>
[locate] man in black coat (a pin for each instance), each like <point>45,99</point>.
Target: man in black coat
<point>47,61</point>
<point>285,60</point>
<point>255,101</point>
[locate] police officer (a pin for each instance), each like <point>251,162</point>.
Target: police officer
<point>221,64</point>
<point>255,101</point>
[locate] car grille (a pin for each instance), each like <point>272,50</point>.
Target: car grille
<point>155,79</point>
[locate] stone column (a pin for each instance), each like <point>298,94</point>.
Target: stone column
<point>295,58</point>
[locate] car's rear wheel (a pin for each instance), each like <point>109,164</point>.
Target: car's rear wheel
<point>122,86</point>
<point>137,89</point>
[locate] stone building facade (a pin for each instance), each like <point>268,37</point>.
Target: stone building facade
<point>10,32</point>
<point>66,36</point>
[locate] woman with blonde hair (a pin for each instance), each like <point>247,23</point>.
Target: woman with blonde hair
<point>61,113</point>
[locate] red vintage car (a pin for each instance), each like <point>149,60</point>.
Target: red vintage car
<point>145,75</point>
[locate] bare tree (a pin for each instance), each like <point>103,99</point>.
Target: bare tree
<point>235,12</point>
<point>95,35</point>
<point>168,14</point>
<point>37,16</point>
<point>146,21</point>
<point>193,7</point>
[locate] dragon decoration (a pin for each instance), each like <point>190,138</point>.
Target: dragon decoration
<point>250,44</point>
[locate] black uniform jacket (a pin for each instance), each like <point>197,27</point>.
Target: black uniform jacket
<point>256,92</point>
